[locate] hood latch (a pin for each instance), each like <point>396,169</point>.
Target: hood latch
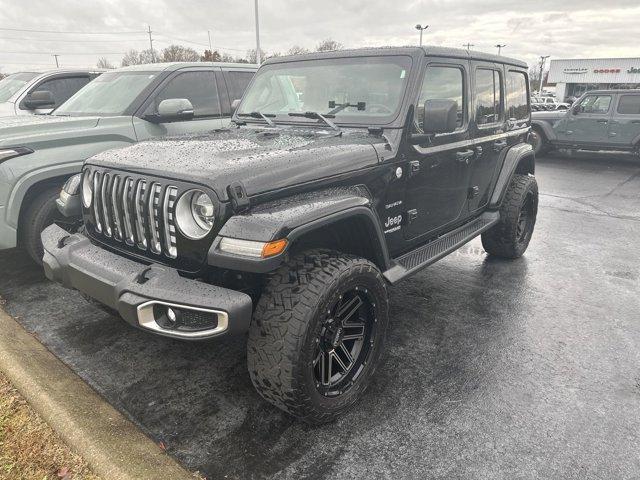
<point>239,199</point>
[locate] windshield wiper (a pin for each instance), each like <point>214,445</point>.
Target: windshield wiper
<point>317,116</point>
<point>263,116</point>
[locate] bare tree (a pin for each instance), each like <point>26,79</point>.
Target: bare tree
<point>227,58</point>
<point>297,50</point>
<point>210,56</point>
<point>252,57</point>
<point>104,63</point>
<point>178,53</point>
<point>328,45</point>
<point>133,57</point>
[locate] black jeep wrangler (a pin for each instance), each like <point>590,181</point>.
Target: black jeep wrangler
<point>346,172</point>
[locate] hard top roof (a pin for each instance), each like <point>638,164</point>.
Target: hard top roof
<point>171,66</point>
<point>432,51</point>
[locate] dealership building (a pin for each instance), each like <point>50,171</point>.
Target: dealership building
<point>573,77</point>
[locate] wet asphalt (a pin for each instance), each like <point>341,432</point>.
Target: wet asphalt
<point>520,369</point>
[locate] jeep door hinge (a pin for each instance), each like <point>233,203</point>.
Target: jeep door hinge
<point>473,191</point>
<point>412,215</point>
<point>239,198</point>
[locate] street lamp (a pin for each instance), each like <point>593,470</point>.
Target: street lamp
<point>258,56</point>
<point>499,47</point>
<point>543,60</point>
<point>421,29</point>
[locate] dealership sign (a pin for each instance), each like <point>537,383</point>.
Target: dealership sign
<point>575,71</point>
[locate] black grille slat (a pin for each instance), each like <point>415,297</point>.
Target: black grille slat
<point>127,193</point>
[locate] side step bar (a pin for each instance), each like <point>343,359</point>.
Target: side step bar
<point>433,251</point>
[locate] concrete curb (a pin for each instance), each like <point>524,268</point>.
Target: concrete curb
<point>113,446</point>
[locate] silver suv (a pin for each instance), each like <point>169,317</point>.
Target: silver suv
<point>28,93</point>
<point>599,120</point>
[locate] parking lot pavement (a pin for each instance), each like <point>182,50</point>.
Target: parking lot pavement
<point>494,369</point>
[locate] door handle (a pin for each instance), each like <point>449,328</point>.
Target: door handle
<point>464,155</point>
<point>499,145</point>
<point>569,132</point>
<point>635,121</point>
<point>603,121</point>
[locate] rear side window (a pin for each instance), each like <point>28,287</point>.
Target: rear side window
<point>488,96</point>
<point>237,83</point>
<point>517,104</point>
<point>442,83</point>
<point>197,87</point>
<point>629,105</point>
<point>62,88</point>
<point>597,104</point>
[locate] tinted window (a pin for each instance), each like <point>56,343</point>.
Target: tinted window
<point>629,105</point>
<point>62,88</point>
<point>488,96</point>
<point>198,87</point>
<point>237,83</point>
<point>517,106</point>
<point>595,104</point>
<point>441,83</point>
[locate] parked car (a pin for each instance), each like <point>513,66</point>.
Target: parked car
<point>121,107</point>
<point>28,93</point>
<point>291,226</point>
<point>549,103</point>
<point>599,120</point>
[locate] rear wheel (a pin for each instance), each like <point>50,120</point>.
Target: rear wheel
<point>318,334</point>
<point>511,236</point>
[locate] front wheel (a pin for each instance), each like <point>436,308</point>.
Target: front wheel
<point>318,334</point>
<point>538,141</point>
<point>511,236</point>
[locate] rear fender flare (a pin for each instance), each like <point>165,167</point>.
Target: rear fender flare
<point>519,158</point>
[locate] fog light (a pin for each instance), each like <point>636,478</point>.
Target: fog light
<point>171,315</point>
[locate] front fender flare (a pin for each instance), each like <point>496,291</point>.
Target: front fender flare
<point>546,127</point>
<point>293,217</point>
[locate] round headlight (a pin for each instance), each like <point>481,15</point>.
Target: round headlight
<point>87,190</point>
<point>195,214</point>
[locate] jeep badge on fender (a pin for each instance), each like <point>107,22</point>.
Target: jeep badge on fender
<point>291,225</point>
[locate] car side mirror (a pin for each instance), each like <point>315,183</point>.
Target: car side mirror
<point>39,99</point>
<point>174,110</point>
<point>576,110</point>
<point>234,105</point>
<point>440,116</point>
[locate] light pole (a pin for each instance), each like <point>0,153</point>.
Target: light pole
<point>258,56</point>
<point>543,60</point>
<point>499,47</point>
<point>421,29</point>
<point>55,55</point>
<point>468,45</point>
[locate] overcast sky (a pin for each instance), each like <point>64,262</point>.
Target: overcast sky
<point>560,28</point>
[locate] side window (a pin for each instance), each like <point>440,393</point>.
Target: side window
<point>517,104</point>
<point>237,83</point>
<point>597,104</point>
<point>198,87</point>
<point>488,96</point>
<point>441,83</point>
<point>62,88</point>
<point>629,105</point>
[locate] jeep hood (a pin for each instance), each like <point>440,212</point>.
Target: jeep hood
<point>23,130</point>
<point>262,159</point>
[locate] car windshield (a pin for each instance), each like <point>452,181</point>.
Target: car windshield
<point>109,94</point>
<point>362,90</point>
<point>11,84</point>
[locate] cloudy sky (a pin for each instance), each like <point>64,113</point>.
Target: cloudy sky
<point>560,28</point>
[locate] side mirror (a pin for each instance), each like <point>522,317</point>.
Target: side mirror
<point>174,110</point>
<point>39,99</point>
<point>234,105</point>
<point>440,116</point>
<point>576,110</point>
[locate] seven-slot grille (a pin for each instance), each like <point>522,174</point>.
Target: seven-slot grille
<point>134,211</point>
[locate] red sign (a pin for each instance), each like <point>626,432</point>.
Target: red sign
<point>606,70</point>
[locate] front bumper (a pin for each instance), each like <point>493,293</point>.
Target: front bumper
<point>133,289</point>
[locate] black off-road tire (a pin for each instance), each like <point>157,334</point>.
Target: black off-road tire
<point>288,320</point>
<point>38,215</point>
<point>511,236</point>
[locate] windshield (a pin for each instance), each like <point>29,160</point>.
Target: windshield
<point>109,94</point>
<point>11,84</point>
<point>365,90</point>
